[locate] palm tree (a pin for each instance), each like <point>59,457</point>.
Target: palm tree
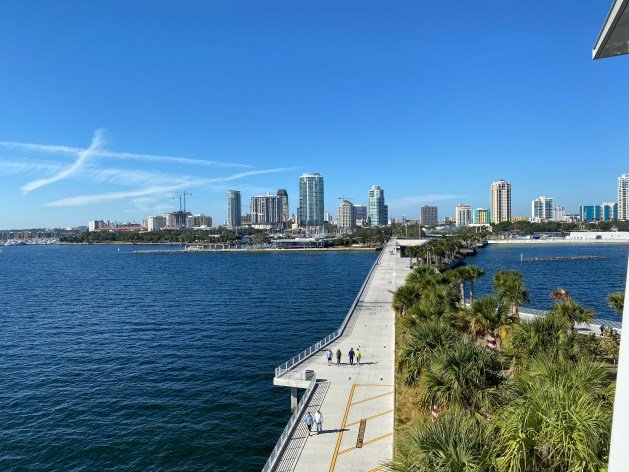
<point>487,316</point>
<point>542,335</point>
<point>456,442</point>
<point>616,301</point>
<point>572,312</point>
<point>556,418</point>
<point>405,297</point>
<point>511,290</point>
<point>463,376</point>
<point>473,272</point>
<point>458,276</point>
<point>420,345</point>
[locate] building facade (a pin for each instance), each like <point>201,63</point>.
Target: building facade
<point>543,209</point>
<point>311,212</point>
<point>347,216</point>
<point>623,197</point>
<point>607,211</point>
<point>176,219</point>
<point>360,212</point>
<point>283,194</point>
<point>481,216</point>
<point>266,211</point>
<point>428,215</point>
<point>463,215</point>
<point>377,213</point>
<point>198,221</point>
<point>234,209</point>
<point>155,223</point>
<point>500,197</point>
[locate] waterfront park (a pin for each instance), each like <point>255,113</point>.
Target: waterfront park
<point>478,388</point>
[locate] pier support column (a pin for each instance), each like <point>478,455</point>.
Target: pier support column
<point>293,398</point>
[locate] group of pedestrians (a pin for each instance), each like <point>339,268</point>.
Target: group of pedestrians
<point>351,355</point>
<point>317,419</point>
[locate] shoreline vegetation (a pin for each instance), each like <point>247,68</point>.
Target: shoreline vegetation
<point>478,389</point>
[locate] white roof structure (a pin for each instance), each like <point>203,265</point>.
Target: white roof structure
<point>613,40</point>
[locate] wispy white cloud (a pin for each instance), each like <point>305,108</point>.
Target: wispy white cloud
<point>103,153</point>
<point>81,200</point>
<point>82,158</point>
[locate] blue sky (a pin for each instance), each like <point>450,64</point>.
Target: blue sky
<point>128,101</point>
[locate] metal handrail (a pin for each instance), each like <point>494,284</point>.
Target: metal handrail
<point>290,426</point>
<point>306,353</point>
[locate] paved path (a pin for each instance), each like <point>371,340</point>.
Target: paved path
<point>350,395</point>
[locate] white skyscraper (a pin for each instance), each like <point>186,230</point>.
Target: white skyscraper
<point>623,197</point>
<point>500,197</point>
<point>543,209</point>
<point>463,215</point>
<point>266,210</point>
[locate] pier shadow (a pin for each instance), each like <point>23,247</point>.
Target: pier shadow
<point>328,431</point>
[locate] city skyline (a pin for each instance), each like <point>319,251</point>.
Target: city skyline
<point>208,109</point>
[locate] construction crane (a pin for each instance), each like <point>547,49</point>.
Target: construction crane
<point>182,197</point>
<point>345,199</point>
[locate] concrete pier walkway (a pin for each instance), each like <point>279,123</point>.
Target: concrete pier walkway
<point>357,401</point>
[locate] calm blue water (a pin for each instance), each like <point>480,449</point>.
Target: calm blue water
<point>588,282</point>
<point>165,362</point>
<point>156,362</point>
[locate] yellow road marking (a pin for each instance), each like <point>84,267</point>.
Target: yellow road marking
<point>366,442</point>
<point>370,417</point>
<point>340,436</point>
<point>372,398</point>
<point>380,467</point>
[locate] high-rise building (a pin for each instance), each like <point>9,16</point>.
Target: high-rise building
<point>428,215</point>
<point>234,209</point>
<point>609,211</point>
<point>604,212</point>
<point>360,212</point>
<point>463,215</point>
<point>481,216</point>
<point>590,213</point>
<point>623,197</point>
<point>155,223</point>
<point>543,209</point>
<point>266,210</point>
<point>328,217</point>
<point>347,215</point>
<point>376,207</point>
<point>500,197</point>
<point>283,194</point>
<point>311,212</point>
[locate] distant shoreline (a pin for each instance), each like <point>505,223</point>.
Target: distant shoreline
<point>183,251</point>
<point>559,241</point>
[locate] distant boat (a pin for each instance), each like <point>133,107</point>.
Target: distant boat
<point>118,249</point>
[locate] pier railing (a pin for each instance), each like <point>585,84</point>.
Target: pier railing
<point>306,353</point>
<point>290,426</point>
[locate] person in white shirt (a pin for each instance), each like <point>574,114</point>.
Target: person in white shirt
<point>318,418</point>
<point>328,354</point>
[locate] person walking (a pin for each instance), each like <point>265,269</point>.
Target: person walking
<point>351,356</point>
<point>358,355</point>
<point>328,354</point>
<point>338,357</point>
<point>318,419</point>
<point>309,420</point>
